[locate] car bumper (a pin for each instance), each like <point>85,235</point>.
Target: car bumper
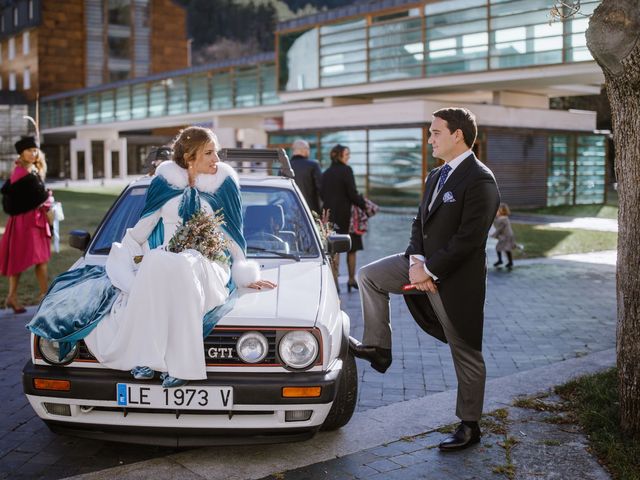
<point>259,412</point>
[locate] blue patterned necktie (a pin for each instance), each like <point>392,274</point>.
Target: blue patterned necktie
<point>444,173</point>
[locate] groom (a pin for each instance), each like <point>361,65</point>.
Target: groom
<point>444,268</point>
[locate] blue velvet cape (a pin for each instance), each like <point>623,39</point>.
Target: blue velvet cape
<point>78,299</point>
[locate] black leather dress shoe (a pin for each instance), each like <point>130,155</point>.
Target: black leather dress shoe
<point>380,358</point>
<point>466,434</point>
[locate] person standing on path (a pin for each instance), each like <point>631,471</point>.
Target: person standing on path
<point>504,233</point>
<point>27,235</point>
<point>443,272</point>
<point>308,176</point>
<point>339,193</point>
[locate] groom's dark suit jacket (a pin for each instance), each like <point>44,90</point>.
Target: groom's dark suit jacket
<point>452,236</point>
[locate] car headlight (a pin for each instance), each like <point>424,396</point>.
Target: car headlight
<point>298,348</point>
<point>50,351</point>
<point>252,347</point>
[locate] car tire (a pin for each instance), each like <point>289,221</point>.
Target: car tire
<point>346,396</point>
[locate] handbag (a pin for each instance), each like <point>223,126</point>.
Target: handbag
<point>55,212</point>
<point>360,218</point>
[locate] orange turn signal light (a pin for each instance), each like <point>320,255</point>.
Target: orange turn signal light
<point>48,384</point>
<point>301,392</point>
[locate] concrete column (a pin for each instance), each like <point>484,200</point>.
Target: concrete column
<point>88,162</point>
<point>119,145</point>
<point>81,145</point>
<point>107,155</point>
<point>122,157</point>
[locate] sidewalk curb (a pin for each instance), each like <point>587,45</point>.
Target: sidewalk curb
<point>367,429</point>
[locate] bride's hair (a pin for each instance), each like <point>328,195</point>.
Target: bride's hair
<point>189,141</point>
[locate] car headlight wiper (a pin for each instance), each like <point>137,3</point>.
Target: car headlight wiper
<point>292,256</point>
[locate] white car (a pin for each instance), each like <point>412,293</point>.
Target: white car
<point>305,379</point>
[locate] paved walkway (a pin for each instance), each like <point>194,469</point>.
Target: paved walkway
<point>546,321</point>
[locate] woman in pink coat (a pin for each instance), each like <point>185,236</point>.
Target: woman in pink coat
<point>27,237</point>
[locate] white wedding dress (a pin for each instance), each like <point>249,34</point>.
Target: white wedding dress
<point>156,321</point>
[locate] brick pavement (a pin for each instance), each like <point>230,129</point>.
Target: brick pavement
<point>521,442</point>
<point>538,314</point>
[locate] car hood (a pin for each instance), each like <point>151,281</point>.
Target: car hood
<point>294,302</point>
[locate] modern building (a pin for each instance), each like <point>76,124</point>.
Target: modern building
<point>49,46</point>
<point>369,77</point>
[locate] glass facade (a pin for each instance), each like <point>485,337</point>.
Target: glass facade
<point>576,169</point>
<point>233,87</point>
<point>387,163</point>
<point>343,53</point>
<point>445,37</point>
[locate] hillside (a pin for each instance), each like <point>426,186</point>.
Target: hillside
<point>224,29</point>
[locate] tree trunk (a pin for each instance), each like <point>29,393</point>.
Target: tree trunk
<point>613,37</point>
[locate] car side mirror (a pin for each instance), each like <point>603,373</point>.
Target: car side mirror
<point>79,239</point>
<point>338,243</point>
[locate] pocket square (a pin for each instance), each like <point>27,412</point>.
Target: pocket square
<point>448,197</point>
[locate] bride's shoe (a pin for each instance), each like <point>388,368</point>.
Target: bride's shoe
<point>142,373</point>
<point>172,382</point>
<point>8,303</point>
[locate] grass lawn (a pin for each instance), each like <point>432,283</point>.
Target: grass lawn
<point>594,402</point>
<point>598,211</point>
<point>83,209</point>
<point>541,241</point>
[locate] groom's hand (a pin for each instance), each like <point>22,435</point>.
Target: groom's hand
<point>417,273</point>
<point>419,277</point>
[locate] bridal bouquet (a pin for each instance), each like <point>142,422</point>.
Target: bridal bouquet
<point>325,226</point>
<point>202,233</point>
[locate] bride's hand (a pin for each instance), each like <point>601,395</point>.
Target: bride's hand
<point>260,284</point>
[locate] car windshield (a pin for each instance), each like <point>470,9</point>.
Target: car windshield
<point>275,223</point>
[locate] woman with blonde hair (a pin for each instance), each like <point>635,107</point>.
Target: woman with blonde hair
<point>27,235</point>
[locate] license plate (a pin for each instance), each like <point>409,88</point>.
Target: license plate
<point>189,398</point>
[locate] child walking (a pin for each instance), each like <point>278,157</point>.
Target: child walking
<point>504,234</point>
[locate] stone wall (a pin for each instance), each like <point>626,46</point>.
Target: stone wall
<point>169,45</point>
<point>61,47</point>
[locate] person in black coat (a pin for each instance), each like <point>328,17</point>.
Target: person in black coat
<point>339,193</point>
<point>308,176</point>
<point>443,272</point>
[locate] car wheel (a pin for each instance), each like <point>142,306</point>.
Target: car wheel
<point>346,397</point>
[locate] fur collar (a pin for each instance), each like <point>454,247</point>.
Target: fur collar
<point>177,176</point>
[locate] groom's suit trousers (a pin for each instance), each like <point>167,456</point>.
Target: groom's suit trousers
<point>387,275</point>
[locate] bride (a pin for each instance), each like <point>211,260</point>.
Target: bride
<point>155,322</point>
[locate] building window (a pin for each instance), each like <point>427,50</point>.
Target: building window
<point>117,75</point>
<point>119,47</point>
<point>12,81</point>
<point>26,81</point>
<point>30,9</point>
<point>119,12</point>
<point>15,16</point>
<point>25,43</point>
<point>12,48</point>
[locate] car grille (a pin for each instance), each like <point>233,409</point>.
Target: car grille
<point>219,348</point>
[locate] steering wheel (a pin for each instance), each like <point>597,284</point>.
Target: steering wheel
<point>268,238</point>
